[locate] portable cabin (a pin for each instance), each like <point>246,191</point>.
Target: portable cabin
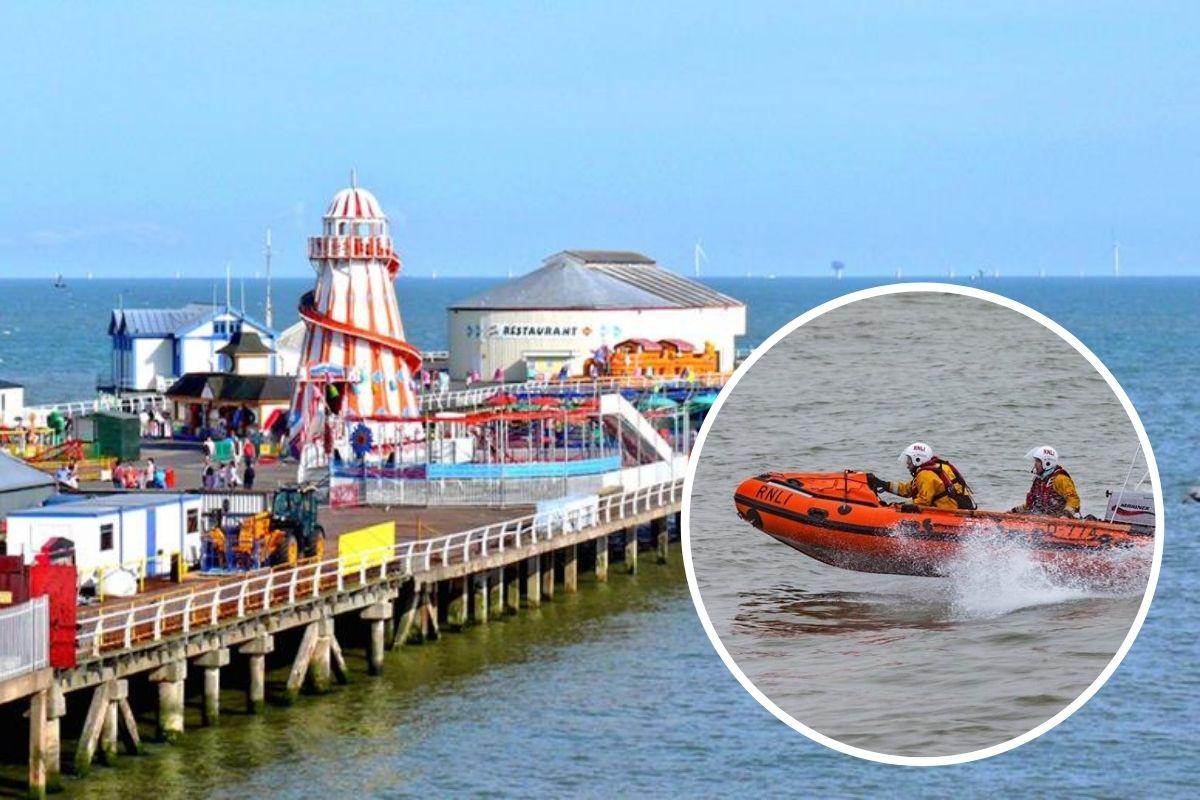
<point>112,433</point>
<point>113,530</point>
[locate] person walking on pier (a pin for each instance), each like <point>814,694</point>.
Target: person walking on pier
<point>248,474</point>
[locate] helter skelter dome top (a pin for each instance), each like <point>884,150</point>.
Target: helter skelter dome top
<point>354,203</point>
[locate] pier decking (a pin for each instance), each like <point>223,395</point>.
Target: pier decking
<point>493,563</point>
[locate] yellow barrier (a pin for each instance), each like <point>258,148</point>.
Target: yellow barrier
<point>367,547</point>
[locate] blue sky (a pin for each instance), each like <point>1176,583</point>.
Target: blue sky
<point>141,140</point>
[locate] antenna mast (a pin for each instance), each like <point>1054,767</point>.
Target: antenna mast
<point>268,310</point>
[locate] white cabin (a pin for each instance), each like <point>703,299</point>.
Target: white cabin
<point>113,530</point>
<point>12,403</point>
<point>153,347</point>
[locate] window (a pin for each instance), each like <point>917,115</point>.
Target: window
<point>193,520</point>
<point>106,537</point>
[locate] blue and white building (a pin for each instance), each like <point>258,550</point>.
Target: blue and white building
<point>114,530</point>
<point>153,347</point>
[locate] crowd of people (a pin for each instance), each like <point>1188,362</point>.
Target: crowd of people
<point>128,475</point>
<point>223,473</point>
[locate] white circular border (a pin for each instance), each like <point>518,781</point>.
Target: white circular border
<point>973,755</point>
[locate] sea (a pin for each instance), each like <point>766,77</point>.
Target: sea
<point>617,690</point>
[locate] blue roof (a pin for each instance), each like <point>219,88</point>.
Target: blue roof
<point>164,322</point>
<point>106,504</point>
<point>156,321</point>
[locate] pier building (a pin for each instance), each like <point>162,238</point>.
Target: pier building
<point>152,347</point>
<point>579,303</point>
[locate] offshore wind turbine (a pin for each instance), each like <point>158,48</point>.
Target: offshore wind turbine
<point>698,254</point>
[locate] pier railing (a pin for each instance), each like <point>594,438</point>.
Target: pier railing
<point>24,638</point>
<point>129,403</point>
<point>433,400</point>
<point>144,621</point>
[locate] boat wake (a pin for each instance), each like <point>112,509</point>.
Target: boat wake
<point>994,574</point>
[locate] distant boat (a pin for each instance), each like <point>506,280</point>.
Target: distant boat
<point>59,283</point>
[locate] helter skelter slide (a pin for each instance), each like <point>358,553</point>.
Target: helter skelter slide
<point>354,393</point>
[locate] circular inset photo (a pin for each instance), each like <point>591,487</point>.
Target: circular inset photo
<point>922,524</point>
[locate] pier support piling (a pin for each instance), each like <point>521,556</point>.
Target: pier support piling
<point>658,529</point>
<point>456,610</point>
<point>211,662</point>
<point>300,667</point>
<point>170,678</point>
<point>548,576</point>
<point>512,588</point>
<point>111,728</point>
<point>133,741</point>
<point>601,558</point>
<point>38,714</point>
<point>496,593</point>
<point>320,666</point>
<point>429,613</point>
<point>533,581</point>
<point>631,549</point>
<point>479,597</point>
<point>56,709</point>
<point>376,647</point>
<point>406,606</point>
<point>257,650</point>
<point>378,617</point>
<point>571,569</point>
<point>89,737</point>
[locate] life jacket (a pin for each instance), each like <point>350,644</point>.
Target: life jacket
<point>1042,498</point>
<point>955,488</point>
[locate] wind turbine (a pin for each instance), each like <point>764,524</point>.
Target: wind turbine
<point>838,268</point>
<point>698,254</point>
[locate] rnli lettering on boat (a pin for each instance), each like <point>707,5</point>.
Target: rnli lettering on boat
<point>773,494</point>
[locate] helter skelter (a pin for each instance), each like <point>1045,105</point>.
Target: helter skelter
<point>354,394</point>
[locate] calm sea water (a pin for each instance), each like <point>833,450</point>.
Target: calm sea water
<point>896,664</point>
<point>623,694</point>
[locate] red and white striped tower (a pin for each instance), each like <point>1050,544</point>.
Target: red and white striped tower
<point>355,366</point>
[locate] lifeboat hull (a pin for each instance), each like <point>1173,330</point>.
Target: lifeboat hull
<point>835,518</point>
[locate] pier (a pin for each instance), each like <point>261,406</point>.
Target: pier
<point>414,591</point>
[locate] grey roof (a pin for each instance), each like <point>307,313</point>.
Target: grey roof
<point>609,256</point>
<point>15,474</point>
<point>223,387</point>
<point>245,343</point>
<point>10,385</point>
<point>157,321</point>
<point>597,279</point>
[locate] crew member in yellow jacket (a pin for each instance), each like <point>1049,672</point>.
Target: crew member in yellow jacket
<point>1053,491</point>
<point>935,482</point>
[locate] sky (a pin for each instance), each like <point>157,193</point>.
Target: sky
<point>142,140</point>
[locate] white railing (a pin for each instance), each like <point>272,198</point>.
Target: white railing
<point>434,400</point>
<point>140,621</point>
<point>24,638</point>
<point>130,403</point>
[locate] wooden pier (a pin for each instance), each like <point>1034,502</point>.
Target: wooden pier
<point>410,592</point>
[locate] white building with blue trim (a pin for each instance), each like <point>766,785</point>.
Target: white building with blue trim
<point>153,347</point>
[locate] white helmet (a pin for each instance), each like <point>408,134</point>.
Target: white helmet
<point>919,452</point>
<point>1046,454</point>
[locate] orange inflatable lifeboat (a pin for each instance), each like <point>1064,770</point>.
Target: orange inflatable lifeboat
<point>836,518</point>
